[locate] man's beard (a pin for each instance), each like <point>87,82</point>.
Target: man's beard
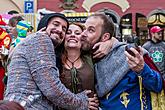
<point>157,40</point>
<point>56,41</point>
<point>87,46</point>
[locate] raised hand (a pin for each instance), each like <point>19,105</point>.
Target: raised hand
<point>42,30</point>
<point>136,63</point>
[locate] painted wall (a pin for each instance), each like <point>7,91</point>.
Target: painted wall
<point>140,6</point>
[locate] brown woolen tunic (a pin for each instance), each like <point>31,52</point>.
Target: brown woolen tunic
<point>85,75</point>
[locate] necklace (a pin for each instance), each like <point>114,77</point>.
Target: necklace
<point>74,78</point>
<point>72,62</point>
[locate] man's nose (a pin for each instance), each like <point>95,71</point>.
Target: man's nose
<point>59,29</point>
<point>83,34</point>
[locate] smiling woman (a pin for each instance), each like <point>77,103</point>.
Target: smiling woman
<point>76,73</point>
<point>72,39</point>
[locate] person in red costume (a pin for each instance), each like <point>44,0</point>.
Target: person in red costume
<point>5,41</point>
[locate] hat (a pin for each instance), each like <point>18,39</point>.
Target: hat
<point>22,28</point>
<point>155,29</point>
<point>1,21</point>
<point>44,21</point>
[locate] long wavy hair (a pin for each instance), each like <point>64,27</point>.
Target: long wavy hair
<point>64,52</point>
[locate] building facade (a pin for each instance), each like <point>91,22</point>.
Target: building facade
<point>128,15</point>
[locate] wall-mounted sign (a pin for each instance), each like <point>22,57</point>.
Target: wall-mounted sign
<point>88,4</point>
<point>29,6</point>
<point>77,17</point>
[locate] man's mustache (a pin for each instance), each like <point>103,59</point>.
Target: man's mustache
<point>56,32</point>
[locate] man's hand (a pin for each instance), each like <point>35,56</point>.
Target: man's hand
<point>42,30</point>
<point>93,102</point>
<point>136,63</point>
<point>103,48</point>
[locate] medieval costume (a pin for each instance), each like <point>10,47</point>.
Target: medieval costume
<point>120,88</point>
